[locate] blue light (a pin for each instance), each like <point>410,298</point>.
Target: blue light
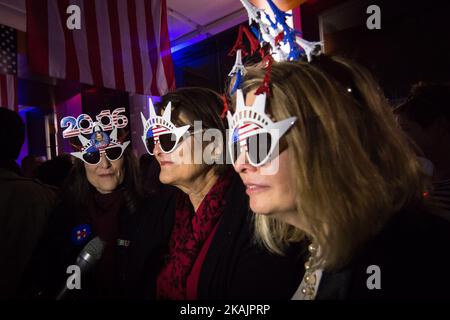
<point>189,42</point>
<point>25,109</point>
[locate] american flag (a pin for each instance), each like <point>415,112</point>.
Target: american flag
<point>244,131</point>
<point>157,131</point>
<point>8,67</point>
<point>122,44</point>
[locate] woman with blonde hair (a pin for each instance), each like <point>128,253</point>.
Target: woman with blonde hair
<point>325,161</point>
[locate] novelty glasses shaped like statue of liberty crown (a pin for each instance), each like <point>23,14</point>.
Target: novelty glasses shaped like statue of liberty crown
<point>160,129</point>
<point>253,132</point>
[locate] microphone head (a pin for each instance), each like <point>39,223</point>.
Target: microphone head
<point>93,250</point>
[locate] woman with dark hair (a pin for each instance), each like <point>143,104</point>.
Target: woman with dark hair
<point>202,247</point>
<point>100,198</point>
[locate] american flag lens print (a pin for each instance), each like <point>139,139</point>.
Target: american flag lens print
<point>253,131</point>
<point>161,129</point>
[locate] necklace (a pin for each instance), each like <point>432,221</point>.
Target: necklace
<point>311,278</point>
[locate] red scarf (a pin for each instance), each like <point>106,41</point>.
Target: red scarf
<point>189,233</point>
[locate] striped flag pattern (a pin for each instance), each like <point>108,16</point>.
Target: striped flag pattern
<point>8,68</point>
<point>244,131</point>
<point>157,131</point>
<point>122,44</point>
<point>8,91</point>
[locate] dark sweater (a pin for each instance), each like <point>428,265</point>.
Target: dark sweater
<point>412,252</point>
<point>235,267</point>
<point>59,249</point>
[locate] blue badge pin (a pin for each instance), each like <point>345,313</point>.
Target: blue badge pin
<point>80,234</point>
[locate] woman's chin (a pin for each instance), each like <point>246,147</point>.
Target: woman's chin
<point>259,208</point>
<point>105,189</point>
<point>165,178</point>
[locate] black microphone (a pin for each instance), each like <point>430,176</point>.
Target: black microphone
<point>86,260</point>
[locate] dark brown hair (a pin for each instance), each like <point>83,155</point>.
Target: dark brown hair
<point>198,104</point>
<point>76,187</point>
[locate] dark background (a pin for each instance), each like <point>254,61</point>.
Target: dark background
<point>413,45</point>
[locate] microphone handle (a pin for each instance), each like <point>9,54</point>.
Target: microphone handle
<point>85,266</point>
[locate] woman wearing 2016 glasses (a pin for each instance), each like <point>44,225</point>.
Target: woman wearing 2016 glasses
<point>206,237</point>
<point>99,199</point>
<point>325,161</point>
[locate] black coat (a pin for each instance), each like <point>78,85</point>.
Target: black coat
<point>412,252</point>
<point>57,250</point>
<point>235,267</point>
<point>25,206</point>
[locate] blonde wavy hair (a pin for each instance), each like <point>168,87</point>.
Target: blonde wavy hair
<point>352,164</point>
